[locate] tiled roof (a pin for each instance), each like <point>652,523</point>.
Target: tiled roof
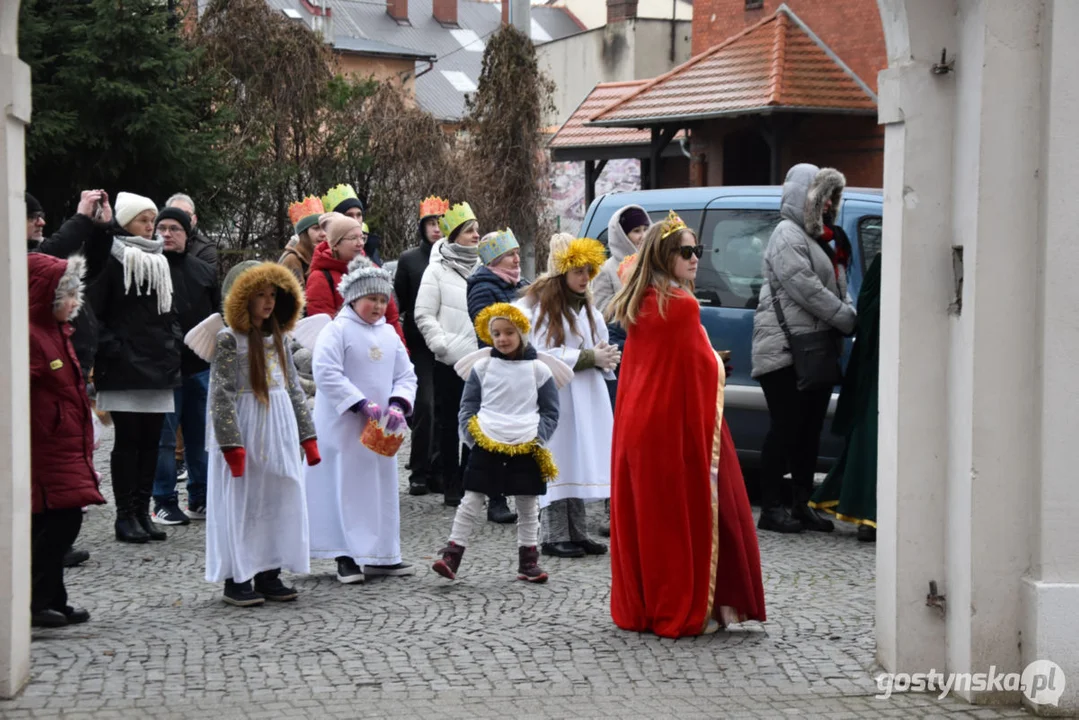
<point>363,46</point>
<point>574,132</point>
<point>777,64</point>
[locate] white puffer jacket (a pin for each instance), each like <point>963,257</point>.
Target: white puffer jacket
<point>442,310</point>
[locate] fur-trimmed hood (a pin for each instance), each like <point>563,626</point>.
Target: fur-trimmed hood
<point>805,191</point>
<point>290,298</point>
<point>51,280</point>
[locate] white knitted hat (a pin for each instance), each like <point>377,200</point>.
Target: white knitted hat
<point>364,278</point>
<point>129,205</point>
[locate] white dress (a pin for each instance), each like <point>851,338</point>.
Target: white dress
<point>352,495</point>
<point>581,443</point>
<point>258,521</point>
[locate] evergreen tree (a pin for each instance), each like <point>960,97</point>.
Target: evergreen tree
<point>116,103</point>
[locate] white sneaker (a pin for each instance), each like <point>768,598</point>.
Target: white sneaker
<point>197,513</point>
<point>399,570</point>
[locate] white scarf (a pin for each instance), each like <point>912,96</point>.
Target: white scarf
<point>145,266</point>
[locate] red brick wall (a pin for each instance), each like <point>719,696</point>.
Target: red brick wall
<point>852,144</point>
<point>852,28</point>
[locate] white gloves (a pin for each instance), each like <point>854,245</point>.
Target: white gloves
<point>607,356</point>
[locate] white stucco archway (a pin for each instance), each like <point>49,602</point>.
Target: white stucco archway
<point>14,364</point>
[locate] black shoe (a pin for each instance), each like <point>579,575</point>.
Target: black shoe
<point>451,500</point>
<point>241,594</point>
<point>867,533</point>
<point>417,487</point>
<point>777,520</point>
<point>348,572</point>
<point>169,513</point>
<point>605,530</point>
<point>129,530</point>
<point>498,511</point>
<point>268,583</point>
<point>76,616</point>
<point>147,525</point>
<point>48,619</point>
<point>563,549</point>
<point>811,519</point>
<point>74,558</point>
<point>591,547</point>
<point>181,470</point>
<point>434,484</point>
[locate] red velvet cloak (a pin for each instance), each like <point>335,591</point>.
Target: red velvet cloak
<point>683,541</point>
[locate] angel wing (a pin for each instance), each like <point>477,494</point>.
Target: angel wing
<point>562,372</point>
<point>202,339</point>
<point>464,366</point>
<point>307,330</point>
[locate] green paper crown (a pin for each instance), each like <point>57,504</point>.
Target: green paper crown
<point>335,196</point>
<point>457,216</point>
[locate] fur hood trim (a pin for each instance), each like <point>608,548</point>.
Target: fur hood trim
<point>828,183</point>
<point>290,299</point>
<point>71,284</point>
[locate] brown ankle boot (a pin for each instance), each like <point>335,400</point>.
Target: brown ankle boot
<point>451,560</point>
<point>528,566</point>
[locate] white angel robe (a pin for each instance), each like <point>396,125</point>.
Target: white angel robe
<point>352,495</point>
<point>581,444</point>
<point>258,521</point>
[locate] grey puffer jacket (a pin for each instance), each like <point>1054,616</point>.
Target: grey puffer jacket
<point>607,283</point>
<point>811,296</point>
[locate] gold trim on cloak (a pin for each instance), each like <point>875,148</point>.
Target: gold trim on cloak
<point>713,484</point>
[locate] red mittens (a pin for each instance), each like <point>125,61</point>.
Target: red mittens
<point>310,450</point>
<point>235,457</point>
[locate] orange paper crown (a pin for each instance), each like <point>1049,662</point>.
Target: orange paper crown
<point>671,225</point>
<point>433,206</point>
<point>310,205</point>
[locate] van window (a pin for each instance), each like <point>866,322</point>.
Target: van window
<point>869,235</point>
<point>692,218</point>
<point>734,243</point>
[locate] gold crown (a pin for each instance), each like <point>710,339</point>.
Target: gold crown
<point>310,205</point>
<point>671,225</point>
<point>581,252</point>
<point>455,217</point>
<point>433,206</point>
<point>500,310</point>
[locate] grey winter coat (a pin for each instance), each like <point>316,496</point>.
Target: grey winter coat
<point>607,283</point>
<point>809,293</point>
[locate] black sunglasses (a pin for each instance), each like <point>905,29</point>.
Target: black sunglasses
<point>688,251</point>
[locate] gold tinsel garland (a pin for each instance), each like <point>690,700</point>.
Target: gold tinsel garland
<point>543,457</point>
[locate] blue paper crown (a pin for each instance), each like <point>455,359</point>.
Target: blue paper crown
<point>496,245</point>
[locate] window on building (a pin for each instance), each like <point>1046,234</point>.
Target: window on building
<point>869,235</point>
<point>754,4</point>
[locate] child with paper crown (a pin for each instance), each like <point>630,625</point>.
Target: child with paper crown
<point>256,506</point>
<point>509,411</point>
<point>568,326</point>
<point>304,216</point>
<point>363,374</point>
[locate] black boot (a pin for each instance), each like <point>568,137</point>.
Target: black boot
<point>268,584</point>
<point>142,516</point>
<point>867,533</point>
<point>563,550</point>
<point>417,487</point>
<point>778,520</point>
<point>810,518</point>
<point>74,558</point>
<point>128,529</point>
<point>241,594</point>
<point>498,510</point>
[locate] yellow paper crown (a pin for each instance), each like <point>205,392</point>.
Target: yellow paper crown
<point>433,206</point>
<point>455,217</point>
<point>310,205</point>
<point>580,253</point>
<point>671,225</point>
<point>336,195</point>
<point>501,310</point>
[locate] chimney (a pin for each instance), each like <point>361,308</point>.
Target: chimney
<point>522,14</point>
<point>445,11</point>
<point>397,9</point>
<point>619,10</point>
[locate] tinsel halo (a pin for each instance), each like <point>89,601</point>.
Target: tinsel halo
<point>579,253</point>
<point>504,310</point>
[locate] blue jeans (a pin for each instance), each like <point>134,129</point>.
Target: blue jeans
<point>189,414</point>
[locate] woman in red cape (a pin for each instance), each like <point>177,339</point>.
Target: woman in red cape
<point>684,555</point>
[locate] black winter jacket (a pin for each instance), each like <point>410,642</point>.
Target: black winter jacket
<point>138,348</point>
<point>485,288</point>
<point>198,246</point>
<point>195,297</point>
<point>406,286</point>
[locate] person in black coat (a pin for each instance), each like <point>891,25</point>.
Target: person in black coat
<point>195,297</point>
<point>197,244</point>
<point>423,459</point>
<point>137,365</point>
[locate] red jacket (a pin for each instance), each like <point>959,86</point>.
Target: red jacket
<point>61,427</point>
<point>322,295</point>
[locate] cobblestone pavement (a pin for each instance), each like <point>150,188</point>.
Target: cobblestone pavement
<point>162,644</point>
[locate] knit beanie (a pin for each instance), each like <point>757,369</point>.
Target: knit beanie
<point>32,205</point>
<point>129,205</point>
<point>632,218</point>
<point>324,219</point>
<point>339,226</point>
<point>363,279</point>
<point>347,204</point>
<point>559,245</point>
<point>172,213</point>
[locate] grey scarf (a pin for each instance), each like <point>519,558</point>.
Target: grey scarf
<point>145,267</point>
<point>461,258</point>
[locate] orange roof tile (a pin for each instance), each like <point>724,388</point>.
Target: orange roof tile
<point>574,132</point>
<point>777,64</point>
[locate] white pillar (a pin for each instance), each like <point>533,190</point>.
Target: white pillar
<point>1050,595</point>
<point>14,365</point>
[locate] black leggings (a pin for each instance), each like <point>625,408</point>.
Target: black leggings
<point>134,459</point>
<point>793,439</point>
<point>452,454</point>
<point>52,533</point>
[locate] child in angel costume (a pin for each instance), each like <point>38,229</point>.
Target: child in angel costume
<point>509,410</point>
<point>363,374</point>
<point>256,521</point>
